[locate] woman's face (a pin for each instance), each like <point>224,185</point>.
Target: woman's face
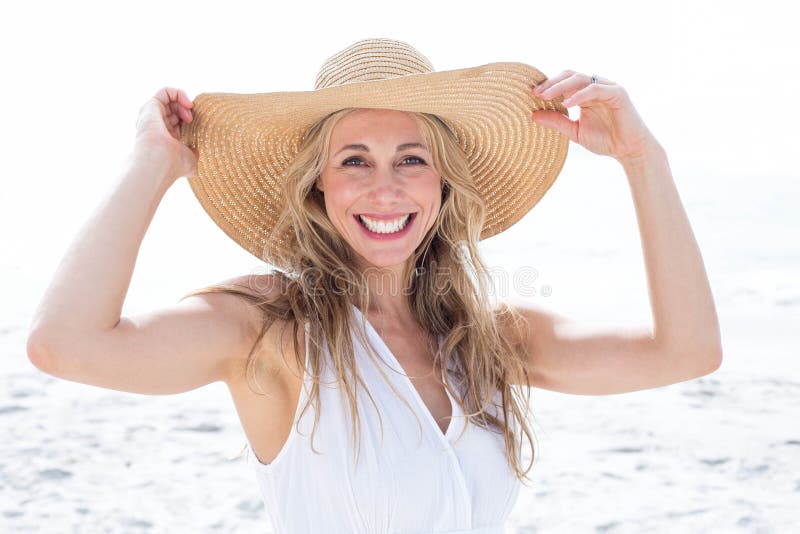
<point>377,174</point>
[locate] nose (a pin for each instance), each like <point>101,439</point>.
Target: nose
<point>385,184</point>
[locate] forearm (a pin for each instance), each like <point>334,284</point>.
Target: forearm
<point>684,315</point>
<point>88,289</point>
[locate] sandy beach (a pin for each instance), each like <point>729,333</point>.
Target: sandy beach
<point>717,454</point>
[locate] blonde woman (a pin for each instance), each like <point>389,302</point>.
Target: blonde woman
<point>378,387</point>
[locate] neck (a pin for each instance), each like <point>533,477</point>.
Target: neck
<point>389,293</point>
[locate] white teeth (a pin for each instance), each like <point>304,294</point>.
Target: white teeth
<point>385,227</point>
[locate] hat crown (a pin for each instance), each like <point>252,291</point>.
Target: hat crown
<point>371,59</point>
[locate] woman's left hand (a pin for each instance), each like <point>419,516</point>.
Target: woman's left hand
<point>608,125</point>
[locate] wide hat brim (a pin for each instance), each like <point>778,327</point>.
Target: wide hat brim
<point>246,141</point>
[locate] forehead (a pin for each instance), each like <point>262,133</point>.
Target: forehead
<point>371,121</point>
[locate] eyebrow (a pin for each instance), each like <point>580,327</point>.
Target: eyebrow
<point>365,148</point>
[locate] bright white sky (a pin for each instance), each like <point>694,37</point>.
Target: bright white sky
<point>717,83</point>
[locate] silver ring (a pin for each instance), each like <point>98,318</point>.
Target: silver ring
<point>594,78</point>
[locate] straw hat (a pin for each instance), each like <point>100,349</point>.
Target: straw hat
<point>246,141</point>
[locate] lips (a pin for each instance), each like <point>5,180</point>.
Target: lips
<point>385,216</point>
<point>388,235</point>
<point>398,219</point>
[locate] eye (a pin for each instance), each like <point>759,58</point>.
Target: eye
<point>346,162</point>
<point>420,160</point>
<point>354,158</point>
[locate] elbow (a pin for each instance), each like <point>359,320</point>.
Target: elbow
<point>709,360</point>
<point>713,353</point>
<point>716,359</point>
<point>691,363</point>
<point>697,358</point>
<point>39,355</point>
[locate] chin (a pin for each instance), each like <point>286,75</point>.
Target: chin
<point>382,261</point>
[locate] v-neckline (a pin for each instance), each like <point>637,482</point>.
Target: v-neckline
<point>405,378</point>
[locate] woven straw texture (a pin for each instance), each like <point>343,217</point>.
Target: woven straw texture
<point>245,141</point>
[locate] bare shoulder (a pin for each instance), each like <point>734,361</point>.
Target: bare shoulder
<point>274,354</point>
<point>263,286</point>
<point>517,320</point>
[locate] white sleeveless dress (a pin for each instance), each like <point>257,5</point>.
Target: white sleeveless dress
<point>406,484</point>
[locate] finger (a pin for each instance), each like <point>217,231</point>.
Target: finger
<point>603,81</point>
<point>181,112</point>
<point>184,114</point>
<point>593,92</point>
<point>543,86</point>
<point>556,120</point>
<point>165,95</point>
<point>566,87</point>
<point>184,99</point>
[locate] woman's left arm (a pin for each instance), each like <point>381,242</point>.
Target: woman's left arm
<point>684,316</point>
<point>686,335</point>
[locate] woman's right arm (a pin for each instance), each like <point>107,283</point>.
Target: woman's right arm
<point>77,332</point>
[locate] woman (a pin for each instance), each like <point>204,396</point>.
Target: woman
<point>378,321</point>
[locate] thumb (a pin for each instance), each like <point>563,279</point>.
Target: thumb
<point>555,120</point>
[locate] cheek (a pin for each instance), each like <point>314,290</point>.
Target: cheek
<point>338,197</point>
<point>433,191</point>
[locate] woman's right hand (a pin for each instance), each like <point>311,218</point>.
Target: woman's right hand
<point>158,134</point>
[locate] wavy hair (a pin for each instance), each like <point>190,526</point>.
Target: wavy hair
<point>445,279</point>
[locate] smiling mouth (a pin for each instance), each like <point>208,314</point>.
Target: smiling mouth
<point>385,227</point>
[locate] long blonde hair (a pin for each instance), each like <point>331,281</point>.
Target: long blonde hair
<point>446,280</point>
